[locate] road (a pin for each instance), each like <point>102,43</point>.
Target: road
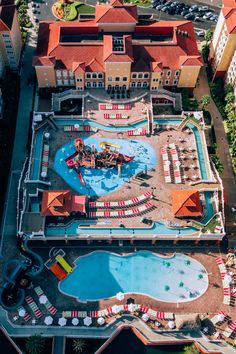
<point>46,13</point>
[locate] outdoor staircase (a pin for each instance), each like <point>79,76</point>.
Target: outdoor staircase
<point>206,186</point>
<point>49,121</point>
<point>57,98</point>
<point>188,119</point>
<point>176,97</point>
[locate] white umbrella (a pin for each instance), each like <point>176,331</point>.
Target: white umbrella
<point>43,174</point>
<point>47,135</point>
<point>75,321</point>
<point>227,278</point>
<point>48,320</point>
<point>131,307</point>
<point>120,296</point>
<point>220,317</point>
<point>157,324</point>
<point>76,126</point>
<point>101,321</point>
<point>62,321</point>
<point>145,317</point>
<point>87,321</point>
<point>115,309</point>
<point>22,312</point>
<point>171,324</point>
<point>43,299</point>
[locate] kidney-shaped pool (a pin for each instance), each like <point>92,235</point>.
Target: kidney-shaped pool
<point>100,274</point>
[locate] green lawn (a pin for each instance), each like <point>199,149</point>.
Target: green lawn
<point>211,225</point>
<point>86,9</point>
<point>144,3</point>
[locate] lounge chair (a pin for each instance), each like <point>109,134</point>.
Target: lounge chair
<point>215,319</point>
<point>32,304</point>
<point>229,330</point>
<point>27,316</point>
<point>48,304</point>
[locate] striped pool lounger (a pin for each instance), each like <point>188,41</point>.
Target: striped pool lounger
<point>121,203</point>
<point>148,205</point>
<point>144,309</point>
<point>143,132</point>
<point>109,310</point>
<point>215,319</point>
<point>92,214</point>
<point>160,315</point>
<point>102,106</point>
<point>66,314</point>
<point>44,163</point>
<point>33,306</point>
<point>93,314</point>
<point>121,213</point>
<point>130,132</point>
<point>115,106</point>
<point>106,115</point>
<point>27,316</point>
<point>92,204</point>
<point>222,275</point>
<point>127,106</point>
<point>219,260</point>
<point>168,316</point>
<point>135,211</point>
<point>230,329</point>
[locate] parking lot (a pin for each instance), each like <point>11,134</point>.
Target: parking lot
<point>202,14</point>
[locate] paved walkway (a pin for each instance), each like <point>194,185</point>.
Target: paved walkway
<point>222,150</point>
<point>106,332</point>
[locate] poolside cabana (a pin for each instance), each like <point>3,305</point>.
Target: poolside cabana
<point>62,203</point>
<point>186,203</point>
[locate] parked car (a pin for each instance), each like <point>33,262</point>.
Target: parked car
<point>204,8</point>
<point>189,16</point>
<point>207,15</point>
<point>200,33</point>
<point>184,12</point>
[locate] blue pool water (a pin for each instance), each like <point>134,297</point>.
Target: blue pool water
<point>101,275</point>
<point>102,181</point>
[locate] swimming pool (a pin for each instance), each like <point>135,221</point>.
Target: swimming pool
<point>100,275</point>
<point>102,181</point>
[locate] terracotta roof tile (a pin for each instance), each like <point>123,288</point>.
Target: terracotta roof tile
<point>110,14</point>
<point>186,203</point>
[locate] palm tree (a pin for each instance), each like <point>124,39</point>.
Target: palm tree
<point>191,349</point>
<point>35,344</point>
<point>79,345</point>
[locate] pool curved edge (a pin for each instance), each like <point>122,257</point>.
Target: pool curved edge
<point>135,293</point>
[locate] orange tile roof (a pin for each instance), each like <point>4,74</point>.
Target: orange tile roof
<point>140,66</point>
<point>116,12</point>
<point>179,49</point>
<point>229,12</point>
<point>186,203</point>
<point>56,203</point>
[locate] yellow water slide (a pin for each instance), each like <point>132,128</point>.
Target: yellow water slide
<point>103,144</point>
<point>64,264</point>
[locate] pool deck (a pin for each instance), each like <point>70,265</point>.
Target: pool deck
<point>209,303</point>
<point>136,186</point>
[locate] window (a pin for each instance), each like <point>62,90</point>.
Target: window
<point>175,82</point>
<point>79,79</point>
<point>167,82</point>
<point>177,73</point>
<point>58,72</point>
<point>100,76</point>
<point>71,73</point>
<point>109,78</point>
<point>153,88</point>
<point>88,84</point>
<point>94,84</point>
<point>59,82</point>
<point>168,73</point>
<point>145,84</point>
<point>133,84</point>
<point>146,76</point>
<point>140,76</point>
<point>64,73</point>
<point>94,75</point>
<point>100,84</point>
<point>66,82</point>
<point>8,46</point>
<point>88,76</point>
<point>161,74</point>
<point>139,84</point>
<point>6,35</point>
<point>125,78</point>
<point>117,79</point>
<point>160,82</point>
<point>157,81</point>
<point>134,76</point>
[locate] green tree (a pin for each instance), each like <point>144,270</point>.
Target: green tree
<point>191,349</point>
<point>79,345</point>
<point>205,101</point>
<point>35,344</point>
<point>217,163</point>
<point>228,88</point>
<point>205,52</point>
<point>229,97</point>
<point>229,107</point>
<point>208,36</point>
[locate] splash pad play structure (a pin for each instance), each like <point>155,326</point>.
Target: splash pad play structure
<point>88,157</point>
<point>98,166</point>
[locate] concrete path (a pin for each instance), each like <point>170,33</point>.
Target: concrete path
<point>106,332</point>
<point>222,151</point>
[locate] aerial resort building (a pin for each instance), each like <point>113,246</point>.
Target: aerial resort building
<point>116,171</point>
